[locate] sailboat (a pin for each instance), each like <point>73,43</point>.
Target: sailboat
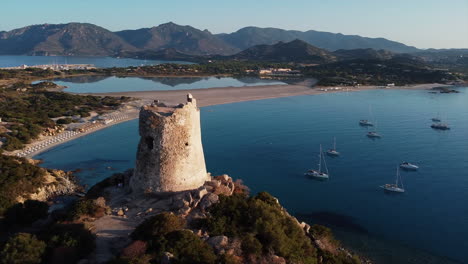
<point>373,134</point>
<point>319,174</point>
<point>394,187</point>
<point>409,166</point>
<point>333,152</point>
<point>365,122</point>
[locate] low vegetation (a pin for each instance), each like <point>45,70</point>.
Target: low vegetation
<point>23,248</point>
<point>17,177</point>
<point>377,72</point>
<point>28,110</point>
<point>257,227</point>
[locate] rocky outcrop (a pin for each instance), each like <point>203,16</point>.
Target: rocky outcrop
<point>170,153</point>
<point>56,182</point>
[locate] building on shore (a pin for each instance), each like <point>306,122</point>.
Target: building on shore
<point>55,67</point>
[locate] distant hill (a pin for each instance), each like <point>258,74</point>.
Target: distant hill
<point>296,51</point>
<point>175,42</point>
<point>366,54</point>
<point>184,39</point>
<point>165,54</point>
<point>62,39</point>
<point>251,36</point>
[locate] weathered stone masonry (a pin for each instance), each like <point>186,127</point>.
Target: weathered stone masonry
<point>170,153</point>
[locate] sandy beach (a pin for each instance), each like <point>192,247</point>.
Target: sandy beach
<point>226,95</point>
<point>208,97</point>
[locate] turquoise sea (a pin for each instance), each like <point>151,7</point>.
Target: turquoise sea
<point>271,143</point>
<point>100,62</point>
<point>107,84</point>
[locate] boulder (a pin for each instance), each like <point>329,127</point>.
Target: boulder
<point>120,212</point>
<point>305,226</point>
<point>166,258</point>
<point>100,201</point>
<point>200,192</point>
<point>218,242</point>
<point>224,178</point>
<point>208,200</point>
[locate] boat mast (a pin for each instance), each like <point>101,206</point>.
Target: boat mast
<point>325,163</point>
<point>334,143</point>
<point>320,159</point>
<point>397,175</point>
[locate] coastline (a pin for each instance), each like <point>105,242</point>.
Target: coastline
<point>226,95</point>
<point>209,97</point>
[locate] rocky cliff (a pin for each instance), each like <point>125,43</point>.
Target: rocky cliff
<point>55,183</point>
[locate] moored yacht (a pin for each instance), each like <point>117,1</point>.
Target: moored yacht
<point>390,187</point>
<point>333,152</point>
<point>365,122</point>
<point>319,174</point>
<point>408,166</point>
<point>373,134</point>
<point>440,126</point>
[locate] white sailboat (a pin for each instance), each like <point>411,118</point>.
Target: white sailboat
<point>365,122</point>
<point>409,166</point>
<point>436,119</point>
<point>319,174</point>
<point>333,151</point>
<point>374,134</point>
<point>394,187</point>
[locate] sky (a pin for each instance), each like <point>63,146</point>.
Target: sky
<point>419,23</point>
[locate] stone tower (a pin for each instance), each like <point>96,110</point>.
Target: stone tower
<point>170,153</point>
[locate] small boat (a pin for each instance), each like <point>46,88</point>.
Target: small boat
<point>394,187</point>
<point>373,134</point>
<point>319,174</point>
<point>435,119</point>
<point>333,152</point>
<point>408,166</point>
<point>440,126</point>
<point>365,122</point>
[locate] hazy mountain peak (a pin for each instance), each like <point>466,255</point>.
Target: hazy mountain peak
<point>295,50</point>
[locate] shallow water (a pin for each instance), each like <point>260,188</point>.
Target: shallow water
<point>270,143</point>
<point>107,84</point>
<point>100,62</point>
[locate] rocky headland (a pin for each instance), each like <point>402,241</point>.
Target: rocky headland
<point>149,214</point>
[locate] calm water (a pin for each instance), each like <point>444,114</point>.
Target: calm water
<point>101,62</point>
<point>270,143</point>
<point>106,84</point>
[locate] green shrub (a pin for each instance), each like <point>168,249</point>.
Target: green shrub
<point>187,248</point>
<point>83,207</point>
<point>322,232</point>
<point>261,218</point>
<point>158,225</point>
<point>17,177</point>
<point>23,248</point>
<point>26,213</point>
<point>251,245</point>
<point>64,121</point>
<point>74,236</point>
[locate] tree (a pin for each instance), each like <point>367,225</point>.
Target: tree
<point>158,225</point>
<point>22,248</point>
<point>27,213</point>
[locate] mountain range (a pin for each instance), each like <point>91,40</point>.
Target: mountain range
<point>84,39</point>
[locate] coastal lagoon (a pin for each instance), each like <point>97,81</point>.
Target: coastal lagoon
<point>100,62</point>
<point>269,144</point>
<point>108,84</point>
